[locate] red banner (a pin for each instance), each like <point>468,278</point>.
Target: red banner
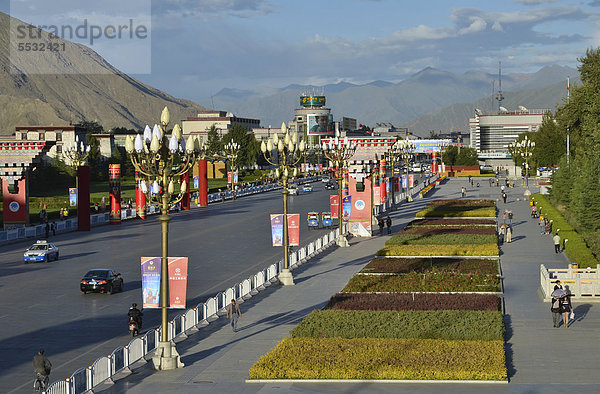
<point>411,180</point>
<point>140,197</point>
<point>178,268</point>
<point>229,177</point>
<point>334,204</point>
<point>15,208</point>
<point>377,195</point>
<point>114,183</point>
<point>293,222</point>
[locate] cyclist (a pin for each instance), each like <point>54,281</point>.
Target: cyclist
<point>41,367</point>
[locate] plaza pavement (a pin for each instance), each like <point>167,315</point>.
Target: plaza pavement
<point>540,358</point>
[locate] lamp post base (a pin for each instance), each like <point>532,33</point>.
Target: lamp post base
<point>286,278</point>
<point>527,193</point>
<point>342,242</point>
<point>409,198</point>
<point>166,357</point>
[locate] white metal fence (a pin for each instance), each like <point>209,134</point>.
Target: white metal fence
<point>582,283</point>
<point>139,348</point>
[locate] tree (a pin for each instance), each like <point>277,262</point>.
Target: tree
<point>249,146</point>
<point>585,195</point>
<point>213,141</point>
<point>450,155</point>
<point>467,157</point>
<point>550,141</point>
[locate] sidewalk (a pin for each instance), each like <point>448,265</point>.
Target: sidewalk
<point>540,358</point>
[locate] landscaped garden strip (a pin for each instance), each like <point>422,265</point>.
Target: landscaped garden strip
<point>444,236</point>
<point>414,301</point>
<point>425,281</point>
<point>439,250</point>
<point>376,358</point>
<point>576,248</point>
<point>459,208</point>
<point>399,265</point>
<point>475,222</point>
<point>448,325</point>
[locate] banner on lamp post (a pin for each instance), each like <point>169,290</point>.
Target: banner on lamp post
<point>277,229</point>
<point>293,221</point>
<point>73,196</point>
<point>411,180</point>
<point>151,282</point>
<point>196,182</point>
<point>334,203</point>
<point>346,208</point>
<point>235,177</point>
<point>376,196</point>
<point>178,268</point>
<point>229,176</point>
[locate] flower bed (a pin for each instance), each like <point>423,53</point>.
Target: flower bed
<point>426,190</point>
<point>414,301</point>
<point>472,203</point>
<point>459,208</point>
<point>399,265</point>
<point>439,250</point>
<point>375,358</point>
<point>426,281</point>
<point>449,230</point>
<point>448,325</point>
<point>444,236</point>
<point>453,222</point>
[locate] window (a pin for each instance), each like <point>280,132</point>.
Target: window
<point>41,136</point>
<point>24,136</point>
<point>58,136</point>
<point>58,149</point>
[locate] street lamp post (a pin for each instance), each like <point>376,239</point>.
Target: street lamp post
<point>368,170</point>
<point>289,154</point>
<point>76,154</point>
<point>231,151</point>
<point>163,160</point>
<point>406,150</point>
<point>525,149</point>
<point>338,151</point>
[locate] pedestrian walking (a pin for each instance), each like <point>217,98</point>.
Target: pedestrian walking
<point>504,216</point>
<point>508,234</point>
<point>556,240</point>
<point>233,313</point>
<point>547,226</point>
<point>60,215</point>
<point>381,224</point>
<point>66,213</point>
<point>566,309</point>
<point>497,182</point>
<point>504,197</point>
<point>542,224</point>
<point>462,191</point>
<point>555,309</point>
<point>502,188</point>
<point>388,223</point>
<point>558,285</point>
<point>509,214</point>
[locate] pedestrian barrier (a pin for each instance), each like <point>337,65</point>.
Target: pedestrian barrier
<point>582,283</point>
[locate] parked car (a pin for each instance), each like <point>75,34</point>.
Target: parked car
<point>330,185</point>
<point>101,280</point>
<point>293,190</point>
<point>307,188</point>
<point>41,251</point>
<point>325,178</point>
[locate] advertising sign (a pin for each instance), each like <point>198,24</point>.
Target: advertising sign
<point>229,176</point>
<point>376,196</point>
<point>196,182</point>
<point>411,180</point>
<point>277,229</point>
<point>320,167</point>
<point>178,268</point>
<point>319,124</point>
<point>235,177</point>
<point>346,208</point>
<point>334,206</point>
<point>150,282</point>
<point>404,181</point>
<point>73,196</point>
<point>430,146</point>
<point>293,229</point>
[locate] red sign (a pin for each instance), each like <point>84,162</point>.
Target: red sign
<point>334,204</point>
<point>377,195</point>
<point>178,267</point>
<point>293,222</point>
<point>229,177</point>
<point>411,180</point>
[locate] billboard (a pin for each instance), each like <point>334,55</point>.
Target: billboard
<point>430,146</point>
<point>319,124</point>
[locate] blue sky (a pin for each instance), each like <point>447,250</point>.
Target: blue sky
<point>199,47</point>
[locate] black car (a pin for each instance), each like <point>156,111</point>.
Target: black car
<point>329,186</point>
<point>101,280</point>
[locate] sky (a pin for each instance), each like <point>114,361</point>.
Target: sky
<point>195,48</point>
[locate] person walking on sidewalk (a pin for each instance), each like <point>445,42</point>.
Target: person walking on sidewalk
<point>508,234</point>
<point>542,224</point>
<point>504,197</point>
<point>234,313</point>
<point>556,240</point>
<point>380,224</point>
<point>388,223</point>
<point>565,309</point>
<point>462,192</point>
<point>555,309</point>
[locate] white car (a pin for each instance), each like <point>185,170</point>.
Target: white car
<point>325,178</point>
<point>293,190</point>
<point>307,188</point>
<point>41,251</point>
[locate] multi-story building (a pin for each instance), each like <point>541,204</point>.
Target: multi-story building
<point>223,121</point>
<point>61,135</point>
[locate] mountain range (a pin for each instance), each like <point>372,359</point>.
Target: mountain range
<point>429,100</point>
<point>77,85</point>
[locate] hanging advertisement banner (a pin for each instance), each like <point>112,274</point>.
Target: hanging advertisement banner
<point>150,282</point>
<point>114,184</point>
<point>346,182</point>
<point>404,181</point>
<point>293,221</point>
<point>140,197</point>
<point>360,216</point>
<point>229,176</point>
<point>376,196</point>
<point>277,229</point>
<point>388,187</point>
<point>235,177</point>
<point>411,180</point>
<point>334,206</point>
<point>178,268</point>
<point>320,167</point>
<point>346,208</point>
<point>72,196</point>
<point>196,182</point>
<point>303,167</point>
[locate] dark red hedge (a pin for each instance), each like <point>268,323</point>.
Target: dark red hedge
<point>414,301</point>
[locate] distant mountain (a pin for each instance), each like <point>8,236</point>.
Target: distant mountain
<point>401,103</point>
<point>96,92</point>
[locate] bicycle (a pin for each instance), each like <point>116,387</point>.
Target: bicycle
<point>40,384</point>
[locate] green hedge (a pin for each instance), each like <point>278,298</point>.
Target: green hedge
<point>374,358</point>
<point>405,238</point>
<point>448,325</point>
<point>471,213</point>
<point>440,250</point>
<point>400,265</point>
<point>576,248</point>
<point>424,281</point>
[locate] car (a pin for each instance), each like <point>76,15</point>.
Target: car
<point>293,190</point>
<point>325,178</point>
<point>329,186</point>
<point>101,280</point>
<point>307,188</point>
<point>43,251</point>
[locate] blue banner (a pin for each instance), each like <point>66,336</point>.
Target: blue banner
<point>151,281</point>
<point>72,196</point>
<point>346,208</point>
